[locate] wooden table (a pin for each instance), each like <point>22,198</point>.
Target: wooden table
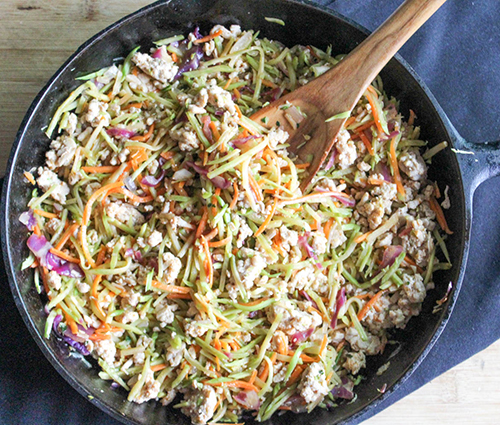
<point>37,36</point>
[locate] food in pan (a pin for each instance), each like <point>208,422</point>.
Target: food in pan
<point>172,243</point>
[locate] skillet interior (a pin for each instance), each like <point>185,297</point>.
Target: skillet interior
<point>304,25</point>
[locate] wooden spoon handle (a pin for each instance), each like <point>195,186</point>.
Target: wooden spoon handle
<point>365,62</point>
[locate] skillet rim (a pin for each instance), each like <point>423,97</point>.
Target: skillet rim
<point>453,137</point>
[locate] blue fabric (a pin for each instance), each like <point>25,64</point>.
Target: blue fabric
<point>457,53</point>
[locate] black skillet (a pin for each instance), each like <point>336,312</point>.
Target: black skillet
<point>305,24</point>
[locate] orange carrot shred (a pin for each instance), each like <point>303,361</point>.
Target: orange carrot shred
<point>45,213</point>
<point>64,256</point>
<point>30,177</point>
<point>235,196</point>
<point>218,244</point>
<point>207,37</point>
<point>369,305</point>
<point>268,218</point>
<point>365,141</point>
<point>101,169</point>
<point>394,165</point>
<point>145,136</point>
<point>158,367</point>
<point>202,223</point>
<point>434,204</point>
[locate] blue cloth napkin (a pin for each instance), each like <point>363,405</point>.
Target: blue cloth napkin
<point>457,53</point>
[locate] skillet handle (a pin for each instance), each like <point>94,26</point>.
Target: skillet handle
<point>478,162</point>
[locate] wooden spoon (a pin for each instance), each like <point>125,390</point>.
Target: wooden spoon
<point>338,90</point>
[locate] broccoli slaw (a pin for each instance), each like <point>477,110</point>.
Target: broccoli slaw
<point>172,242</point>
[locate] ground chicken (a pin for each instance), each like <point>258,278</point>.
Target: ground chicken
<point>149,390</point>
<point>171,268</point>
<point>124,213</point>
<point>165,313</point>
<point>105,349</point>
<point>155,238</point>
<point>162,69</point>
<point>346,150</point>
<point>412,164</point>
<point>62,152</point>
<point>355,362</point>
<point>47,179</point>
<point>201,404</point>
<point>313,386</point>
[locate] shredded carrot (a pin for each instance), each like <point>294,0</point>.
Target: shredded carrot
<point>365,126</point>
<point>101,169</point>
<point>365,141</point>
<point>255,187</point>
<point>218,244</point>
<point>45,213</point>
<point>329,377</point>
<point>158,367</point>
<point>228,83</point>
<point>104,190</point>
<point>362,237</point>
<point>167,155</point>
<point>369,305</point>
<point>137,105</point>
<point>132,196</point>
<point>175,58</point>
<point>238,97</point>
<point>412,262</point>
<point>265,372</point>
<point>270,84</point>
<point>375,182</point>
<point>253,376</point>
<point>214,201</point>
<point>217,364</point>
<point>328,227</point>
<point>170,288</point>
<point>235,196</point>
<point>277,244</point>
<point>268,218</point>
<point>295,374</point>
<point>238,110</point>
<point>374,109</point>
<point>207,37</point>
<point>66,235</point>
<point>394,165</point>
<point>203,222</point>
<point>411,120</point>
<point>99,337</point>
<point>209,236</point>
<point>235,384</point>
<point>173,296</point>
<point>323,346</point>
<point>95,295</point>
<point>64,256</point>
<point>208,261</point>
<point>349,121</point>
<point>30,177</point>
<point>215,131</point>
<point>255,302</point>
<point>36,230</point>
<point>282,348</point>
<point>179,188</point>
<point>135,71</point>
<point>434,204</point>
<point>146,136</point>
<point>362,296</point>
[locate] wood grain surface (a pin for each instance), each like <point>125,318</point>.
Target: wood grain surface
<point>37,36</point>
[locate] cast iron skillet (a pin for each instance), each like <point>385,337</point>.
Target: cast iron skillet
<point>305,24</point>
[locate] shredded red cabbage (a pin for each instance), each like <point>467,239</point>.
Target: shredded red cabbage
<point>339,302</point>
<point>41,248</point>
<point>70,338</point>
<point>130,184</point>
<point>28,219</point>
<point>136,255</point>
<point>248,399</point>
<point>331,161</point>
<point>299,337</point>
<point>342,392</point>
<point>191,61</point>
<point>218,181</point>
<point>205,119</point>
<point>309,249</point>
<point>121,132</point>
<point>382,168</point>
<point>242,141</point>
<point>308,298</point>
<point>390,254</point>
<point>296,403</point>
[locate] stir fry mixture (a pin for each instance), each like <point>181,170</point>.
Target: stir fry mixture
<point>172,243</point>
